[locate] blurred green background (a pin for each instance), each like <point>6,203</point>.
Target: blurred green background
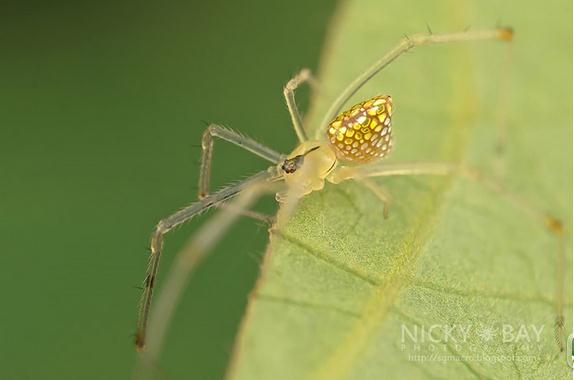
<point>101,112</point>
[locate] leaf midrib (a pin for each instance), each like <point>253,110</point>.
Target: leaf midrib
<point>381,302</point>
<point>339,363</point>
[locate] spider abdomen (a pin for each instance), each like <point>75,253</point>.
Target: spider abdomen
<point>363,132</point>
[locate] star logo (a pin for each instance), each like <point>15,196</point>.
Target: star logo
<point>486,333</point>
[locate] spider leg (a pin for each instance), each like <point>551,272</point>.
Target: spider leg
<point>406,44</point>
<point>214,130</point>
<point>289,93</point>
<point>184,215</point>
<point>380,192</point>
<point>502,121</point>
<point>187,259</point>
<point>384,169</point>
<point>550,223</point>
<point>362,175</point>
<point>255,215</point>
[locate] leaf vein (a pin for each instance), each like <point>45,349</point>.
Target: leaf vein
<point>480,293</point>
<point>306,304</point>
<point>328,259</point>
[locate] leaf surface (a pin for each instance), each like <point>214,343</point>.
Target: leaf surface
<point>461,272</point>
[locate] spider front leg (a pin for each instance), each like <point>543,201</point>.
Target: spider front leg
<point>214,130</point>
<point>181,216</point>
<point>289,93</point>
<point>408,43</point>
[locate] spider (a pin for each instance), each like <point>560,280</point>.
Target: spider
<point>351,146</point>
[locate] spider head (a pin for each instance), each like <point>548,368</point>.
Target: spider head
<point>306,168</point>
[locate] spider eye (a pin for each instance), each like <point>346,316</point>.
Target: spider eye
<point>363,132</point>
<point>290,165</point>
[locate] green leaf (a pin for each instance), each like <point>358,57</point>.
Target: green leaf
<point>345,294</point>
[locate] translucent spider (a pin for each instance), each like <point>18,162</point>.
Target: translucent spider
<point>350,146</point>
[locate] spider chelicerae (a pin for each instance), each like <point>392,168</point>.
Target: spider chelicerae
<point>350,147</point>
